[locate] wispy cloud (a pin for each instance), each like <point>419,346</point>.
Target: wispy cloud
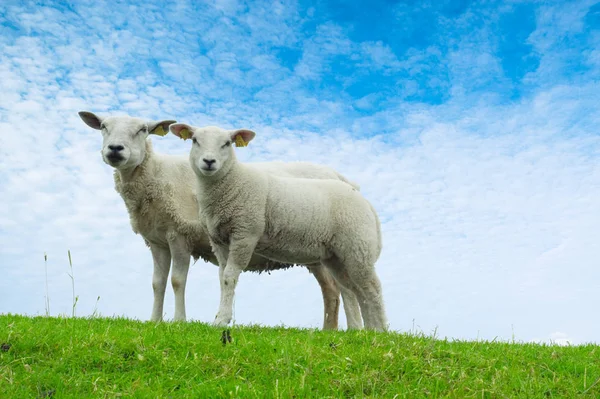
<point>472,128</point>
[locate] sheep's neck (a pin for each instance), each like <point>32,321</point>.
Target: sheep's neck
<point>127,175</point>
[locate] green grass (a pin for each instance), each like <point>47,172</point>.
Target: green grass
<point>100,357</point>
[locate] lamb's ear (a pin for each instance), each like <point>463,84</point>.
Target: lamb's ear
<point>160,128</point>
<point>242,137</point>
<point>182,130</point>
<point>90,119</point>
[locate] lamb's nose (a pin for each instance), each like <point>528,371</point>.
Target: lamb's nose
<point>209,162</point>
<point>116,148</point>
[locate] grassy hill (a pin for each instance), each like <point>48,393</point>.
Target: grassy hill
<point>101,357</point>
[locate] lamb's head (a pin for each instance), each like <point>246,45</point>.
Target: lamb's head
<point>124,137</point>
<point>211,146</point>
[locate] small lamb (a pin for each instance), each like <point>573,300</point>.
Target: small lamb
<point>160,194</point>
<point>289,220</point>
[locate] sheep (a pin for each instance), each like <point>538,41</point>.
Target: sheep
<point>159,192</point>
<point>289,220</point>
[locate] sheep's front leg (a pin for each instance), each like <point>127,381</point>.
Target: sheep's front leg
<point>221,253</point>
<point>181,265</point>
<point>240,252</point>
<point>162,263</point>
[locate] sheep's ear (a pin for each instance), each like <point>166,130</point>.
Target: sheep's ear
<point>160,128</point>
<point>242,137</point>
<point>90,119</point>
<point>182,130</point>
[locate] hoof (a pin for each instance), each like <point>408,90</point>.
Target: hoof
<point>221,321</point>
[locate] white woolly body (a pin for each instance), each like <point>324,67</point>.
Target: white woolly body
<point>292,220</point>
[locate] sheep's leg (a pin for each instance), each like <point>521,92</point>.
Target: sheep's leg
<point>331,293</point>
<point>342,277</point>
<point>240,252</point>
<point>331,296</point>
<point>370,298</point>
<point>221,253</point>
<point>181,265</point>
<point>352,309</point>
<point>162,263</point>
<point>365,284</point>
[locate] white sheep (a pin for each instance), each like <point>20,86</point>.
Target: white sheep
<point>288,220</point>
<point>159,192</point>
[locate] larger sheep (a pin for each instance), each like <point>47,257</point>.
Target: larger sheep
<point>287,220</point>
<point>159,192</point>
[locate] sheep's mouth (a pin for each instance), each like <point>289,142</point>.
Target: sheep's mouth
<point>208,170</point>
<point>114,159</point>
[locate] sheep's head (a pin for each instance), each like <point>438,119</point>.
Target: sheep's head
<point>124,137</point>
<point>211,146</point>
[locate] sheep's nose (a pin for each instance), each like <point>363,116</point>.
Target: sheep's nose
<point>209,162</point>
<point>116,148</point>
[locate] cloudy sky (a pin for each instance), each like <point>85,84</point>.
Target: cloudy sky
<point>473,129</point>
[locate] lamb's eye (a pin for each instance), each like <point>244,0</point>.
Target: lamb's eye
<point>227,144</point>
<point>142,130</point>
<point>194,140</point>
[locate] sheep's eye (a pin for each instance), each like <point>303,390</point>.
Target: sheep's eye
<point>142,130</point>
<point>194,140</point>
<point>227,144</point>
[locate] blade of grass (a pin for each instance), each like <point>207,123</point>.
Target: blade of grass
<point>47,304</point>
<point>75,298</point>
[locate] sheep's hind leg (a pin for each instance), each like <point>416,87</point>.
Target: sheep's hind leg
<point>372,295</point>
<point>240,252</point>
<point>162,263</point>
<point>331,295</point>
<point>364,283</point>
<point>352,309</point>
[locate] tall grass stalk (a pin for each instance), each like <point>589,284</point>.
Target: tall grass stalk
<point>75,298</point>
<point>95,312</point>
<point>47,297</point>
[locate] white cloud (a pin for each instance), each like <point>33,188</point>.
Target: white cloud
<point>556,338</point>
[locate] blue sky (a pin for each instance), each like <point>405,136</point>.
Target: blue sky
<point>473,128</point>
